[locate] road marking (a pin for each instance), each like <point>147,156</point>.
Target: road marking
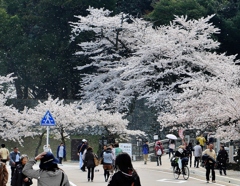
<point>171,181</point>
<point>72,184</point>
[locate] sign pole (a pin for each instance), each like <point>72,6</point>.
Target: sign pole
<point>47,136</point>
<point>47,121</point>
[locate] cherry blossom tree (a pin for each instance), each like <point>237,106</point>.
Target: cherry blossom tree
<point>73,118</point>
<point>10,117</point>
<point>173,67</point>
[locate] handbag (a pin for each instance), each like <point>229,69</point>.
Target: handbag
<point>96,162</point>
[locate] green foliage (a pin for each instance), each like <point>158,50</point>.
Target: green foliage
<point>165,10</point>
<point>38,50</point>
<point>137,8</point>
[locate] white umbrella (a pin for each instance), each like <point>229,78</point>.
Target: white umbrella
<point>171,136</point>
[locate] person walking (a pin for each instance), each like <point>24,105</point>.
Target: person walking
<point>222,160</point>
<point>159,152</point>
<point>126,174</point>
<point>81,149</point>
<point>189,149</point>
<point>145,151</point>
<point>108,158</point>
<point>49,173</point>
<point>19,179</point>
<point>197,152</point>
<point>171,147</point>
<point>210,162</point>
<point>201,140</point>
<point>14,159</point>
<point>89,162</point>
<point>4,153</point>
<point>61,152</point>
<point>117,149</point>
<point>3,173</point>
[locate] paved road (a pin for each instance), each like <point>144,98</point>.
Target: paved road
<point>149,176</point>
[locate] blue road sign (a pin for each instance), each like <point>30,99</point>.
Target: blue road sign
<point>47,120</point>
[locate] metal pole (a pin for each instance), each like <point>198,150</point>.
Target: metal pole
<point>47,136</point>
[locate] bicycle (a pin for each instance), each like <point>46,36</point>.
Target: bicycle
<point>177,171</point>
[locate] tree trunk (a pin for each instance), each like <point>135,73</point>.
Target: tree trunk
<point>39,143</point>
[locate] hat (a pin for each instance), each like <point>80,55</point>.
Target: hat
<point>84,140</point>
<point>47,161</point>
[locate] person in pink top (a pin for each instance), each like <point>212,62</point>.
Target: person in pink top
<point>159,152</point>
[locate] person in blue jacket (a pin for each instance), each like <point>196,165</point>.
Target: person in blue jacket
<point>145,151</point>
<point>61,152</point>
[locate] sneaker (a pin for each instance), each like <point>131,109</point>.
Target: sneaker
<point>207,181</point>
<point>214,181</point>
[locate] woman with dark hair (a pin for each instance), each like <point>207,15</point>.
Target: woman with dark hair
<point>222,160</point>
<point>126,175</point>
<point>19,179</point>
<point>89,162</point>
<point>49,173</point>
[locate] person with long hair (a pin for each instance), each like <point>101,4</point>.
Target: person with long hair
<point>49,173</point>
<point>89,162</point>
<point>126,175</point>
<point>19,179</point>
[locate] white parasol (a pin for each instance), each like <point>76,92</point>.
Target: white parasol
<point>171,136</point>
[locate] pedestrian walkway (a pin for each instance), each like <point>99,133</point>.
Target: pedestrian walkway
<point>77,177</point>
<point>232,176</point>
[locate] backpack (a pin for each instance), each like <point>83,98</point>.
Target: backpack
<point>159,152</point>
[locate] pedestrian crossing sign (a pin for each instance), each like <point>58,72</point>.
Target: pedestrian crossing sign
<point>47,120</point>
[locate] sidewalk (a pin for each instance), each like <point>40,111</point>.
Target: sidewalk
<point>232,176</point>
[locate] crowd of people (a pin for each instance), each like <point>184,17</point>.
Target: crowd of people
<point>204,155</point>
<point>114,162</point>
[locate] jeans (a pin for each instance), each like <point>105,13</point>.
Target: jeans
<point>80,160</point>
<point>170,152</point>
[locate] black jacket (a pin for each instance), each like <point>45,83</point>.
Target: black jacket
<point>122,179</point>
<point>222,156</point>
<point>89,159</point>
<point>18,177</point>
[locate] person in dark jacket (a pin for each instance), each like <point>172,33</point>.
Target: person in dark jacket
<point>19,179</point>
<point>222,160</point>
<point>183,155</point>
<point>190,150</point>
<point>126,174</point>
<point>89,162</point>
<point>81,149</point>
<point>61,152</point>
<point>14,159</point>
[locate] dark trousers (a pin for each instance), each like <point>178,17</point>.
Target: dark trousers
<point>210,167</point>
<point>159,159</point>
<point>222,167</point>
<point>190,160</point>
<point>83,167</point>
<point>196,161</point>
<point>60,160</point>
<point>90,173</point>
<point>170,152</point>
